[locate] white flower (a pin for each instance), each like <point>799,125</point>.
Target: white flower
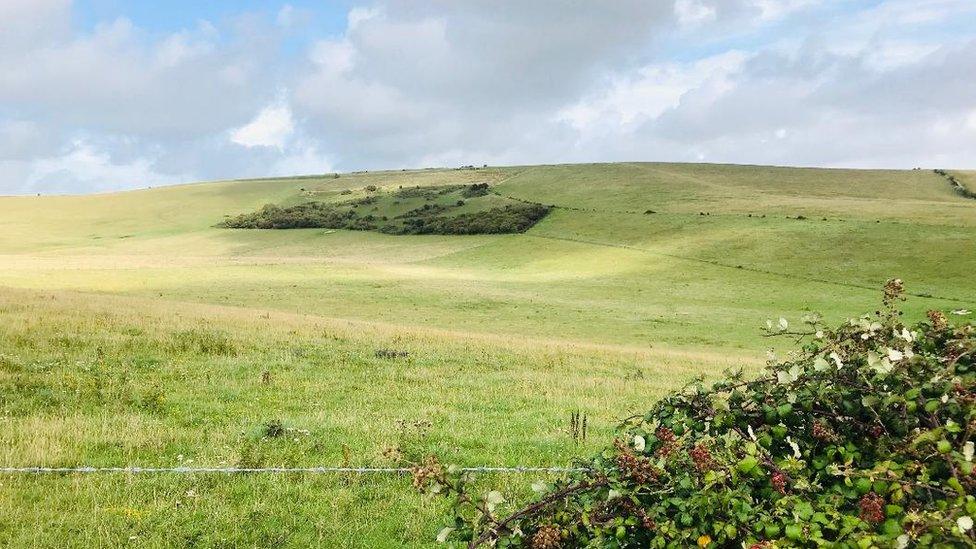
<point>902,541</point>
<point>967,450</point>
<point>836,359</point>
<point>964,523</point>
<point>895,355</point>
<point>783,324</point>
<point>796,448</point>
<point>639,443</point>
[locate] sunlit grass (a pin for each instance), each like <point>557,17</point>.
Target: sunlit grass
<point>133,332</point>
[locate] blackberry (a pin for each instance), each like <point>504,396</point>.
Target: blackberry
<point>779,481</point>
<point>822,431</point>
<point>938,320</point>
<point>702,458</point>
<point>669,442</point>
<point>872,508</point>
<point>639,469</point>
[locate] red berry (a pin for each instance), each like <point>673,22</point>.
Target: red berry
<point>779,480</point>
<point>872,508</point>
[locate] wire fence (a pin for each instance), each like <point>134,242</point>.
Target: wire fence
<point>312,470</point>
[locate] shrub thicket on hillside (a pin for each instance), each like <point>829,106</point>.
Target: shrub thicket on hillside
<point>426,192</point>
<point>862,439</point>
<point>429,218</point>
<point>310,215</point>
<point>478,189</point>
<point>956,184</point>
<point>516,218</point>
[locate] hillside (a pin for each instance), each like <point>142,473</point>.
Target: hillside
<point>723,250</point>
<point>135,331</point>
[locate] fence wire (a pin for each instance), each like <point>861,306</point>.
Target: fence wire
<point>312,470</point>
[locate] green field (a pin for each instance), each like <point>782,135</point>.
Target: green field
<point>135,332</point>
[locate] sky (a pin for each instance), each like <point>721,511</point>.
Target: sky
<point>104,95</point>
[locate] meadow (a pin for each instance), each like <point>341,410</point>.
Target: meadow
<point>133,331</point>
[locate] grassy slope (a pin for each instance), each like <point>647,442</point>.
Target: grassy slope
<point>120,380</point>
<point>600,307</point>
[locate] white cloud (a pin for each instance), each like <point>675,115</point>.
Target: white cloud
<point>648,92</point>
<point>693,12</point>
<point>33,21</point>
<point>889,55</point>
<point>303,159</point>
<point>778,9</point>
<point>286,16</point>
<point>333,56</point>
<point>181,47</point>
<point>971,121</point>
<point>359,15</point>
<point>270,128</point>
<point>442,83</point>
<point>85,167</point>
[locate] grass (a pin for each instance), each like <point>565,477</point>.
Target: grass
<point>134,332</point>
<point>118,380</point>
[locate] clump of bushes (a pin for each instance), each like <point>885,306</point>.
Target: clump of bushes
<point>508,219</point>
<point>864,438</point>
<point>310,215</point>
<point>429,218</point>
<point>956,184</point>
<point>425,192</point>
<point>478,189</point>
<point>425,210</point>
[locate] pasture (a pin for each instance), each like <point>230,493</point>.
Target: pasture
<point>133,331</point>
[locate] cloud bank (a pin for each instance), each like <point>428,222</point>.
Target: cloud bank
<point>843,83</point>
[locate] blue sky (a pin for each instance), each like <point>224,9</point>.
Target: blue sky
<point>327,17</point>
<point>99,95</point>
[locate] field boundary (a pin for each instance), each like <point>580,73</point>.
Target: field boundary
<point>236,470</point>
<point>956,184</point>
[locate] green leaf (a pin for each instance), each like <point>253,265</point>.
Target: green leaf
<point>747,464</point>
<point>803,510</point>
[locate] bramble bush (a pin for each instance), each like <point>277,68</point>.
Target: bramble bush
<point>863,438</point>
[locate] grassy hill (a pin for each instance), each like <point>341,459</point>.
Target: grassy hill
<point>134,331</point>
